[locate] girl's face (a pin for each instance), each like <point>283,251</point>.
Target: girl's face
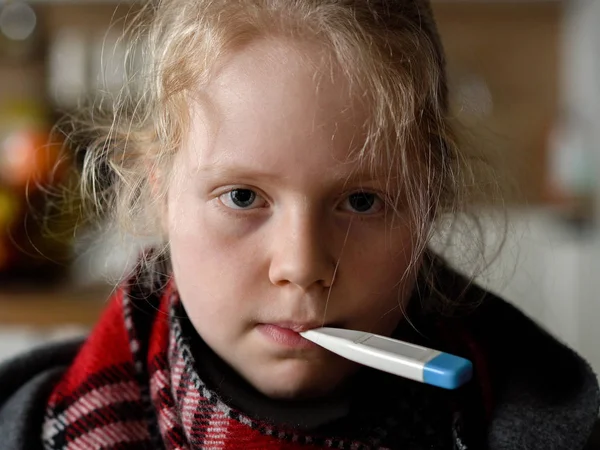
<point>274,230</point>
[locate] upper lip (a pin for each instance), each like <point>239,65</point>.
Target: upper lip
<point>298,327</point>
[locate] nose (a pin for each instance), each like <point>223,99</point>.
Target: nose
<point>300,255</point>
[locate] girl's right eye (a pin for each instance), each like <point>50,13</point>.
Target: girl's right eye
<point>242,199</point>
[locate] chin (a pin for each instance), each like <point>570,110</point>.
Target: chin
<point>295,390</point>
<point>295,382</point>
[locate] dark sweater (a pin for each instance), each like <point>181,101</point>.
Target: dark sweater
<point>546,397</point>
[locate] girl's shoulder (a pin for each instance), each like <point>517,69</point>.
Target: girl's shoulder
<point>28,380</point>
<point>25,384</point>
<point>542,392</point>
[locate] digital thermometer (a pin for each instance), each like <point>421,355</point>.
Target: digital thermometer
<point>396,357</point>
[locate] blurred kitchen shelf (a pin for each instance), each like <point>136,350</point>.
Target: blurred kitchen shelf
<point>81,2</point>
<point>44,308</point>
<point>92,2</point>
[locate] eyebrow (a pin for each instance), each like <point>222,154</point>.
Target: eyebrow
<point>217,170</point>
<point>237,171</point>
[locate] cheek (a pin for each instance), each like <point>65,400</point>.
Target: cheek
<point>207,254</point>
<point>209,259</point>
<point>387,253</point>
<point>381,273</point>
<point>211,278</point>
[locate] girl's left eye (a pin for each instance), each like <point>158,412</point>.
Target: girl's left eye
<point>242,199</point>
<point>363,203</point>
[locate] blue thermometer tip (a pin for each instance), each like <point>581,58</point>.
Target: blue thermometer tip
<point>447,371</point>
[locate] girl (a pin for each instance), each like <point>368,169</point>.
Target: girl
<point>291,158</point>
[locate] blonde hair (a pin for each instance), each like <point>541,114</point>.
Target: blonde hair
<point>389,50</point>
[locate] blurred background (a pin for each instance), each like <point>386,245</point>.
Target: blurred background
<point>525,78</point>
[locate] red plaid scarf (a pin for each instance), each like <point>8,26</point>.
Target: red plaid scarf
<point>133,386</point>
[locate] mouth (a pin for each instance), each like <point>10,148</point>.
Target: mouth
<point>287,334</point>
<point>297,327</point>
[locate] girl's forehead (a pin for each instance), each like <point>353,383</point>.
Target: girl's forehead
<point>277,74</point>
<point>274,95</point>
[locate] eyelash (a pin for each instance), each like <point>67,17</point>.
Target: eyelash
<point>223,197</point>
<point>229,192</point>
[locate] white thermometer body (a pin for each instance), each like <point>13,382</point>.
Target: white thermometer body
<point>396,357</point>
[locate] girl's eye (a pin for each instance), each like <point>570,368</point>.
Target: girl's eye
<point>363,203</point>
<point>242,199</point>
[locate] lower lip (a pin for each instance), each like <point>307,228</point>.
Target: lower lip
<point>285,336</point>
